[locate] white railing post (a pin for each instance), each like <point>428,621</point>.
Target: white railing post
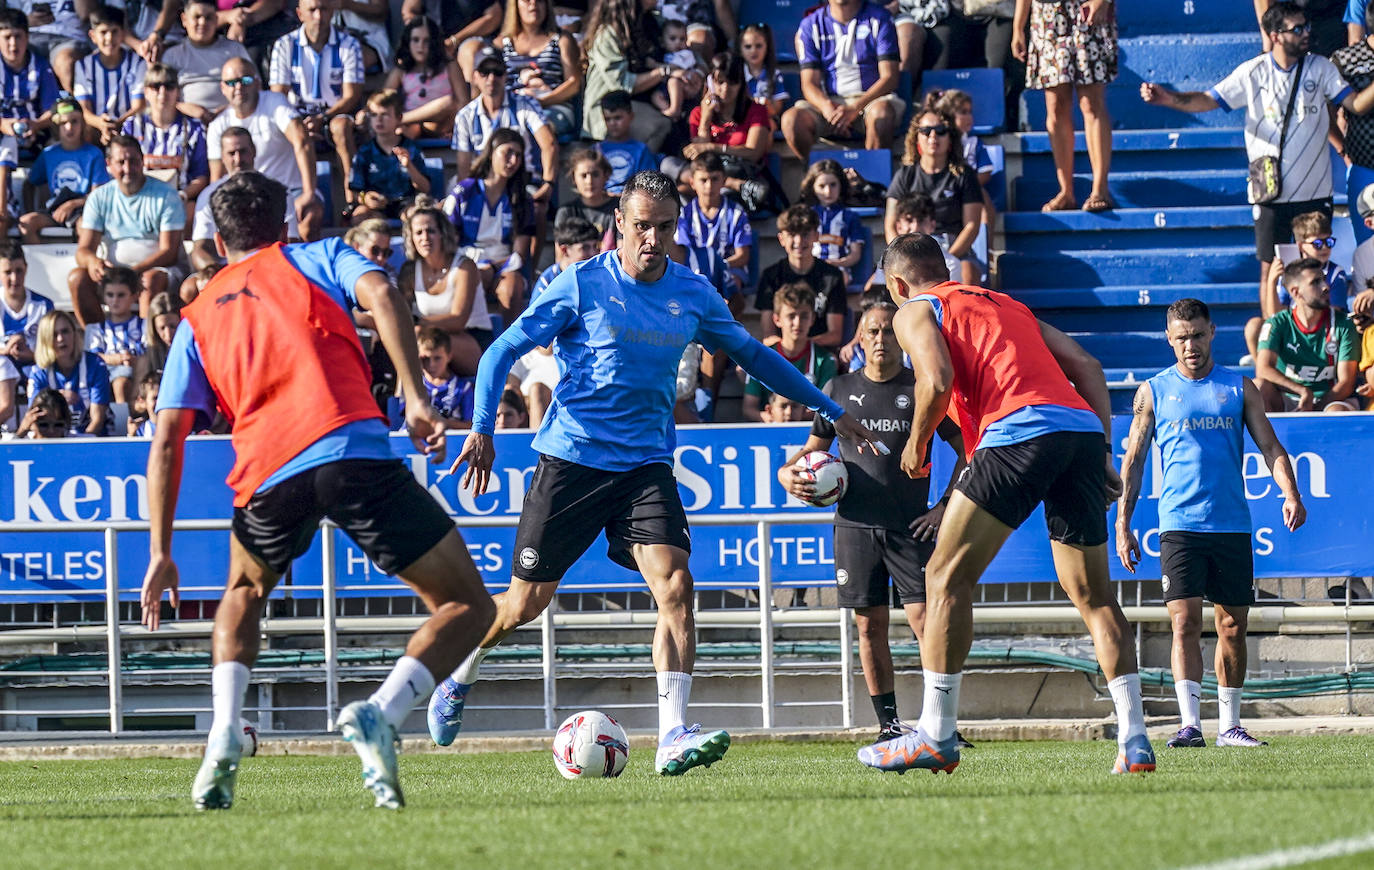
<point>112,644</point>
<point>550,656</point>
<point>766,622</point>
<point>846,667</point>
<point>331,631</point>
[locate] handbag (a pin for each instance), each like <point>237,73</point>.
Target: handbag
<point>1266,173</point>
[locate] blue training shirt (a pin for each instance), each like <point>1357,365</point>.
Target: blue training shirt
<point>335,268</point>
<point>1199,425</point>
<point>619,344</point>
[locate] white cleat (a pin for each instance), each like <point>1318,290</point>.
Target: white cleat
<point>687,747</point>
<point>374,739</point>
<point>214,785</point>
<point>1238,736</point>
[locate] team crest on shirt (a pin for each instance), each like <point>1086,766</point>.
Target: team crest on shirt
<point>1164,581</point>
<point>529,557</point>
<point>903,401</point>
<point>841,577</point>
<point>861,32</point>
<point>674,307</point>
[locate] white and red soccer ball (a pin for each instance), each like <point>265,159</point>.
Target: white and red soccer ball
<point>590,744</point>
<point>248,737</point>
<point>830,475</point>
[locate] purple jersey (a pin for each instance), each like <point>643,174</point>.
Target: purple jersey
<point>848,53</point>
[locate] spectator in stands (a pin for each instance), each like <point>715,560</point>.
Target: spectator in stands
<point>1357,25</point>
<point>108,83</point>
<point>30,89</point>
<point>366,21</point>
<point>712,221</point>
<point>1309,354</point>
<point>118,339</point>
<point>1072,47</point>
<point>199,60</point>
<point>56,30</point>
<point>671,97</point>
<point>49,416</point>
<point>1315,241</point>
<point>1362,262</point>
<point>626,154</point>
<point>372,239</point>
<point>761,75</point>
<point>925,30</point>
<point>590,171</point>
<point>258,24</point>
<point>575,239</point>
<point>840,241</point>
<point>781,409</point>
<point>1261,86</point>
<point>934,165</point>
<point>320,70</point>
<point>704,19</point>
<point>798,234</point>
<point>1355,63</point>
<point>849,59</point>
<point>511,412</point>
<point>543,62</point>
<point>433,86</point>
<point>282,149</point>
<point>444,282</point>
<point>142,416</point>
<point>21,309</point>
<point>173,143</point>
<point>9,381</point>
<point>62,176</point>
<point>164,316</point>
<point>959,106</point>
<point>495,220</point>
<point>1365,389</point>
<point>467,23</point>
<point>983,39</point>
<point>536,373</point>
<point>622,41</point>
<point>81,376</point>
<point>389,169</point>
<point>137,221</point>
<point>451,395</point>
<point>794,313</point>
<point>1328,30</point>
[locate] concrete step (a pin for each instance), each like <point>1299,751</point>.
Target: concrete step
<point>1146,319</point>
<point>1128,229</point>
<point>1109,299</point>
<point>1151,189</point>
<point>1184,16</point>
<point>1146,349</point>
<point>1137,268</point>
<point>1157,151</point>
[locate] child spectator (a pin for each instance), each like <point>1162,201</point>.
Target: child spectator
<point>27,82</point>
<point>62,175</point>
<point>959,106</point>
<point>590,170</point>
<point>825,188</point>
<point>794,312</point>
<point>674,94</point>
<point>82,377</point>
<point>575,239</point>
<point>143,410</point>
<point>495,221</point>
<point>781,409</point>
<point>761,75</point>
<point>914,213</point>
<point>173,143</point>
<point>388,170</point>
<point>511,412</point>
<point>118,339</point>
<point>712,221</point>
<point>1308,356</point>
<point>450,395</point>
<point>199,60</point>
<point>164,316</point>
<point>431,83</point>
<point>1312,232</point>
<point>108,83</point>
<point>797,235</point>
<point>55,30</point>
<point>49,416</point>
<point>625,155</point>
<point>20,308</point>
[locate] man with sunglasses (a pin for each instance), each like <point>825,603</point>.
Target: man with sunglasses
<point>285,153</point>
<point>493,105</point>
<point>1263,87</point>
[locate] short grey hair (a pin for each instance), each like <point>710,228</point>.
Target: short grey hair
<point>653,184</point>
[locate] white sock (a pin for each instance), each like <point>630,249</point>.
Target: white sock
<point>1130,709</point>
<point>674,691</point>
<point>940,708</point>
<point>1189,694</point>
<point>228,682</point>
<point>408,682</point>
<point>1228,708</point>
<point>466,673</point>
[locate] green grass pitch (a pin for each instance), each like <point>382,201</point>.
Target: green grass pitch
<point>787,805</point>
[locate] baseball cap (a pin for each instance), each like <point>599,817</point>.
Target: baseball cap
<point>1365,203</point>
<point>488,56</point>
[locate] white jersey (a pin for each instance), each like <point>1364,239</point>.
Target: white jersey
<point>1261,87</point>
<point>268,124</point>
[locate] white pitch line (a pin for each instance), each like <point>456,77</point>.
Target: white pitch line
<point>1296,856</point>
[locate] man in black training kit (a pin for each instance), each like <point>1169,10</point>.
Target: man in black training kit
<point>882,526</point>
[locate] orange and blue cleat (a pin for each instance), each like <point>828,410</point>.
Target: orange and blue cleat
<point>912,751</point>
<point>1136,756</point>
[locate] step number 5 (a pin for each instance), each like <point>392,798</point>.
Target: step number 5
<point>1143,298</point>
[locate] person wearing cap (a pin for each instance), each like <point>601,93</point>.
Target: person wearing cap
<point>63,174</point>
<point>1362,264</point>
<point>319,68</point>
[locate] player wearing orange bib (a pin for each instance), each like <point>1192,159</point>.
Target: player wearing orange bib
<point>1034,409</point>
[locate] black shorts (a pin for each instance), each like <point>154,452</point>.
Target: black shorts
<point>1220,565</point>
<point>1065,470</point>
<point>1274,223</point>
<point>568,505</point>
<point>376,502</point>
<point>865,557</point>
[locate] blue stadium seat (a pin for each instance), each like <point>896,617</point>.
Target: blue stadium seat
<point>875,166</point>
<point>983,85</point>
<point>434,171</point>
<point>997,185</point>
<point>324,183</point>
<point>783,16</point>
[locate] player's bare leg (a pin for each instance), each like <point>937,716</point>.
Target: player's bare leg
<point>1185,657</point>
<point>1232,621</point>
<point>680,746</point>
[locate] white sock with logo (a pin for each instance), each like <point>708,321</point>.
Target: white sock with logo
<point>1130,707</point>
<point>228,682</point>
<point>1189,694</point>
<point>466,673</point>
<point>408,682</point>
<point>1228,708</point>
<point>674,691</point>
<point>940,709</point>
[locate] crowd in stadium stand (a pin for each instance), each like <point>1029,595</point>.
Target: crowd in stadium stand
<point>123,128</point>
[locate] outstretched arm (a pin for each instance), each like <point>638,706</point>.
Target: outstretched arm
<point>919,335</point>
<point>1183,101</point>
<point>1132,473</point>
<point>164,482</point>
<point>1275,456</point>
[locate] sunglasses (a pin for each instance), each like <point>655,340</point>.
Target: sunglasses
<point>937,130</point>
<point>1328,242</point>
<point>379,253</point>
<point>1298,29</point>
<point>159,86</point>
<point>245,81</point>
<point>490,71</point>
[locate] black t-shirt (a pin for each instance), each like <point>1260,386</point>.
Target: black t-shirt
<point>950,192</point>
<point>825,279</point>
<point>599,216</point>
<point>880,494</point>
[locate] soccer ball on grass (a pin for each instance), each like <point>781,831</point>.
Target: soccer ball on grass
<point>590,744</point>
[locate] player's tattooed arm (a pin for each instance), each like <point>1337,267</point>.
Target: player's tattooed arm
<point>1132,473</point>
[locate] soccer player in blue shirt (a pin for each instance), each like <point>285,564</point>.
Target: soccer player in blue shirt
<point>622,320</point>
<point>1197,410</point>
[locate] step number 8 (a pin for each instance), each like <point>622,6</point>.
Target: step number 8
<point>1187,7</point>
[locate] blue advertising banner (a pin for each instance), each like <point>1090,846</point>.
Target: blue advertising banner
<point>720,470</point>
